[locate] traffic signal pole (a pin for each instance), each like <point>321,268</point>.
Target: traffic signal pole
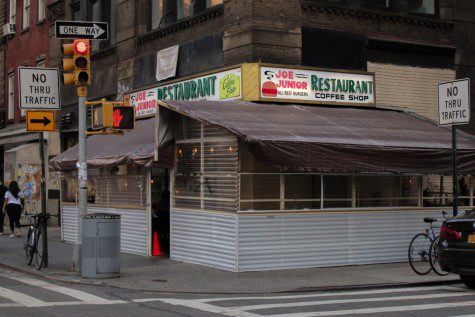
<point>82,176</point>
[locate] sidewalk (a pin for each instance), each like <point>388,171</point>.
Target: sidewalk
<point>164,275</point>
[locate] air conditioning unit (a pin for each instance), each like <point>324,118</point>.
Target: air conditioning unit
<point>8,29</point>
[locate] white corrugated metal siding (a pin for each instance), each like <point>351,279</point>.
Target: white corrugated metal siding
<point>69,223</point>
<point>204,238</point>
<point>134,235</point>
<point>280,241</point>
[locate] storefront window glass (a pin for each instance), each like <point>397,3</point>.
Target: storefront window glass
<point>387,191</point>
<point>157,13</point>
<point>337,191</point>
<point>302,191</point>
<point>437,191</point>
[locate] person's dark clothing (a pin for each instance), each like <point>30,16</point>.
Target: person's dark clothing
<point>3,190</point>
<point>14,215</point>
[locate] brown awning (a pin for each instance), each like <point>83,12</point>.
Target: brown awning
<point>134,147</point>
<point>336,139</point>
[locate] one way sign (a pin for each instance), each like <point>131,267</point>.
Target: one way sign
<point>82,30</point>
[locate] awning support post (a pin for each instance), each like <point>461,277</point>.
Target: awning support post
<point>454,170</point>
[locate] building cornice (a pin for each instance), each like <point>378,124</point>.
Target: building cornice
<point>182,24</point>
<point>381,16</point>
<point>104,53</point>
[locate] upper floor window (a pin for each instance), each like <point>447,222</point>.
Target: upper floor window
<point>210,3</point>
<point>185,8</point>
<point>157,13</point>
<point>103,11</point>
<point>428,7</point>
<point>12,17</point>
<point>41,10</point>
<point>26,14</point>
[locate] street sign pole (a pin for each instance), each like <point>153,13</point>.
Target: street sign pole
<point>82,175</point>
<point>44,229</point>
<point>454,170</point>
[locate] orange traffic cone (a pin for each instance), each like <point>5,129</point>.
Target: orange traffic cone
<point>156,245</point>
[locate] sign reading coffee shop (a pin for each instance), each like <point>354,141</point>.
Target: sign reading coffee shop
<point>225,85</point>
<point>316,86</point>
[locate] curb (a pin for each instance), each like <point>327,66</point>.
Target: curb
<point>298,290</point>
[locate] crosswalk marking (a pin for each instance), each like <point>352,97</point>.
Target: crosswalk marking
<point>349,301</point>
<point>20,298</point>
<point>211,305</point>
<point>391,309</point>
<point>82,296</point>
<point>347,293</point>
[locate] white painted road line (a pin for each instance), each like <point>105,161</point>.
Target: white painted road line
<point>208,308</point>
<point>392,309</point>
<point>348,293</point>
<point>82,296</point>
<point>20,298</point>
<point>349,301</point>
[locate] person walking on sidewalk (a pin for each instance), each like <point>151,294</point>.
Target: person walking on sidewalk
<point>13,205</point>
<point>3,190</point>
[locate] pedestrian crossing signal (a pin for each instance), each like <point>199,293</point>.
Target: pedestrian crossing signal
<point>123,117</point>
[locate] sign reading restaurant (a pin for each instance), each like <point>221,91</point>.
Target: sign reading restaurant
<point>224,85</point>
<point>263,83</point>
<point>316,86</point>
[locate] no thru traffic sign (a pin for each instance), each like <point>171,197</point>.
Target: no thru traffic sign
<point>39,88</point>
<point>454,102</point>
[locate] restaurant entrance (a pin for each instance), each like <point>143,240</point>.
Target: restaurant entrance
<point>160,197</point>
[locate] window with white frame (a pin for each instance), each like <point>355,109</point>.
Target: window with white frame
<point>12,17</point>
<point>26,14</point>
<point>11,96</point>
<point>41,10</point>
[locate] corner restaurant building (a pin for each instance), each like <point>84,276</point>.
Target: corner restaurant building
<point>274,167</point>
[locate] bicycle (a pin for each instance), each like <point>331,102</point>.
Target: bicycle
<point>34,242</point>
<point>423,250</point>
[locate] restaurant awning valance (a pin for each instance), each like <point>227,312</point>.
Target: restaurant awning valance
<point>134,147</point>
<point>335,138</point>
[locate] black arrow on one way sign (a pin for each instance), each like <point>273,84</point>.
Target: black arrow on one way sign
<point>45,121</point>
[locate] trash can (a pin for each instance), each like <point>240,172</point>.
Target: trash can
<point>101,245</point>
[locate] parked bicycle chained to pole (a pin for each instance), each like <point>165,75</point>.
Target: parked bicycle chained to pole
<point>34,245</point>
<point>423,251</point>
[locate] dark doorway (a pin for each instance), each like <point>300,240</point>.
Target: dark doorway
<point>160,209</point>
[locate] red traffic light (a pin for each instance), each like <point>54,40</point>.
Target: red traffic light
<point>81,47</point>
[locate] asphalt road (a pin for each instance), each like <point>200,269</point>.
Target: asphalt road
<point>24,295</point>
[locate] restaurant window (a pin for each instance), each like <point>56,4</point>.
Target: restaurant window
<point>41,10</point>
<point>26,14</point>
<point>437,191</point>
<point>12,13</point>
<point>11,96</point>
<point>156,13</point>
<point>205,174</point>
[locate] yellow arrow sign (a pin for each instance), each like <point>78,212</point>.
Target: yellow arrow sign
<point>40,121</point>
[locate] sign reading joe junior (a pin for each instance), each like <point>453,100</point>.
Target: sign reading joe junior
<point>315,86</point>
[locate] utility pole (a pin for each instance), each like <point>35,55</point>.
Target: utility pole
<point>44,230</point>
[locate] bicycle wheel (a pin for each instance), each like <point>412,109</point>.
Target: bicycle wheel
<point>39,250</point>
<point>29,247</point>
<point>434,258</point>
<point>418,253</point>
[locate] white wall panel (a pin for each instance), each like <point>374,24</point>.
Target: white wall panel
<point>204,238</point>
<point>134,233</point>
<point>282,241</point>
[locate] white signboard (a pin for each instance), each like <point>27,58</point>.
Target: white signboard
<point>315,86</point>
<point>225,85</point>
<point>454,102</point>
<point>39,88</point>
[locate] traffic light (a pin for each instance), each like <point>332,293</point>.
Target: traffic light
<point>123,117</point>
<point>111,114</point>
<point>67,51</point>
<point>76,56</point>
<point>82,62</point>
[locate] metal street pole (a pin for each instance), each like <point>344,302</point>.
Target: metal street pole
<point>44,236</point>
<point>82,176</point>
<point>454,170</point>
